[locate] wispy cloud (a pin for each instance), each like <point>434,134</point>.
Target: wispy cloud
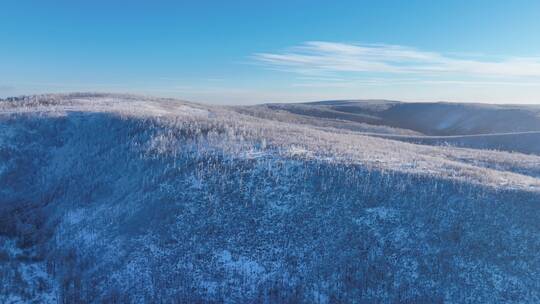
<point>331,58</point>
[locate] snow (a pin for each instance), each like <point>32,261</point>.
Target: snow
<point>251,270</point>
<point>25,277</point>
<point>141,199</point>
<point>297,140</point>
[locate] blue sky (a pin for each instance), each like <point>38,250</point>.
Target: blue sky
<point>242,52</point>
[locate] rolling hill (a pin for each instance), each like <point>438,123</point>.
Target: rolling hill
<point>130,199</point>
<point>479,126</point>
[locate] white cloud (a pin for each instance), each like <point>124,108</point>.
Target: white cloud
<point>328,58</point>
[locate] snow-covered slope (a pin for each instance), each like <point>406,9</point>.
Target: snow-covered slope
<point>438,118</point>
<point>478,126</point>
<point>524,142</point>
<point>117,198</point>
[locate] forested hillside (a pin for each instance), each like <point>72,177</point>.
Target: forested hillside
<point>129,199</point>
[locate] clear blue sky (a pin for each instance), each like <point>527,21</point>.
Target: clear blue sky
<point>258,51</point>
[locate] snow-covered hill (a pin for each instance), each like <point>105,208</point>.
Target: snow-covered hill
<point>438,118</point>
<point>478,126</point>
<point>129,199</point>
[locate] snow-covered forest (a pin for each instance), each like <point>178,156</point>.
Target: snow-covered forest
<point>129,199</point>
